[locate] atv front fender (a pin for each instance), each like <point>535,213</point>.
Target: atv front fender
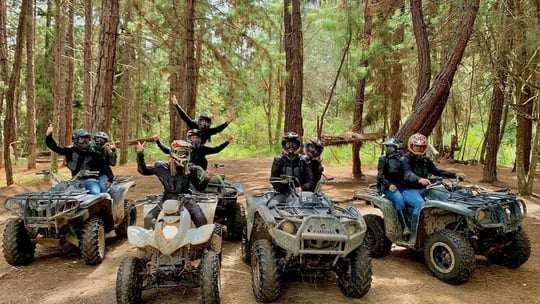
<point>392,226</point>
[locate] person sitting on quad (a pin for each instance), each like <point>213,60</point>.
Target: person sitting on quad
<point>176,175</point>
<point>312,153</point>
<point>198,150</point>
<point>79,156</point>
<point>105,158</point>
<point>416,166</point>
<point>291,164</point>
<point>389,177</point>
<point>203,123</point>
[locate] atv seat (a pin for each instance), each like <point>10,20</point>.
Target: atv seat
<point>89,199</point>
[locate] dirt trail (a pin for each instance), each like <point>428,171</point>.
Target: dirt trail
<point>58,276</point>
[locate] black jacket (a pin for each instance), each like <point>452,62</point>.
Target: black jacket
<point>389,171</point>
<point>194,124</point>
<point>297,167</point>
<point>415,168</point>
<point>198,155</point>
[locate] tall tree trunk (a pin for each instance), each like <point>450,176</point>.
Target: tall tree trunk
<point>10,121</point>
<point>59,79</point>
<point>103,92</point>
<point>177,60</point>
<point>88,80</point>
<point>294,58</point>
<point>4,68</point>
<point>396,83</point>
<point>126,86</point>
<point>70,77</point>
<point>422,44</point>
<point>428,111</point>
<point>30,87</point>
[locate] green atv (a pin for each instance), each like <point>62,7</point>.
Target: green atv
<point>455,224</point>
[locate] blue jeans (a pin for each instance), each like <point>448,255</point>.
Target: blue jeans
<point>414,198</point>
<point>396,198</point>
<point>96,186</point>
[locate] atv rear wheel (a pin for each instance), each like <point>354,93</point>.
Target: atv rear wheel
<point>210,273</point>
<point>130,219</point>
<point>129,281</point>
<point>246,252</point>
<point>449,257</point>
<point>16,243</point>
<point>92,242</point>
<point>236,222</point>
<point>375,240</point>
<point>265,274</point>
<point>354,273</point>
<point>516,254</point>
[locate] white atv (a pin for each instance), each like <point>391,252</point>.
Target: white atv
<point>174,253</point>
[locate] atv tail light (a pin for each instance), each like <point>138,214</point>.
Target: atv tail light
<point>169,231</point>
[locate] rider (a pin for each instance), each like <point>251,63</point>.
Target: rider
<point>176,175</point>
<point>203,123</point>
<point>389,177</point>
<point>107,156</point>
<point>313,150</point>
<point>198,150</point>
<point>416,166</point>
<point>291,164</point>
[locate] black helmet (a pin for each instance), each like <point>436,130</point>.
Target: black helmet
<point>205,116</point>
<point>100,139</point>
<point>290,144</point>
<point>313,148</point>
<point>81,139</point>
<point>397,143</point>
<point>196,142</point>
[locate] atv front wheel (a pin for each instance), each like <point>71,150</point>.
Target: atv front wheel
<point>129,281</point>
<point>516,254</point>
<point>17,245</point>
<point>354,273</point>
<point>449,257</point>
<point>92,242</point>
<point>265,275</point>
<point>210,277</point>
<point>130,219</point>
<point>375,239</point>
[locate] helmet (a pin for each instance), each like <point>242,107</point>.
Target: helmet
<point>394,142</point>
<point>180,152</point>
<point>100,139</point>
<point>313,148</point>
<point>290,144</point>
<point>195,142</point>
<point>81,139</point>
<point>417,140</point>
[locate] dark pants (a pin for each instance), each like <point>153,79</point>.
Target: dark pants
<point>195,211</point>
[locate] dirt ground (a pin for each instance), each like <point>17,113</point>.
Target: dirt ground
<point>59,276</point>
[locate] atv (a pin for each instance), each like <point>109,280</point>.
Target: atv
<point>228,211</point>
<point>67,214</point>
<point>174,252</point>
<point>307,236</point>
<point>455,224</point>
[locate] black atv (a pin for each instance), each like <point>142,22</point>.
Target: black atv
<point>67,214</point>
<point>455,224</point>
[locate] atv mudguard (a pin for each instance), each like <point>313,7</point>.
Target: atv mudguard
<point>392,225</point>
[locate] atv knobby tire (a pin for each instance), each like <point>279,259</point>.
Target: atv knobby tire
<point>130,219</point>
<point>517,253</point>
<point>265,274</point>
<point>16,243</point>
<point>246,250</point>
<point>129,281</point>
<point>236,222</point>
<point>92,242</point>
<point>375,240</point>
<point>354,273</point>
<point>449,257</point>
<point>210,272</point>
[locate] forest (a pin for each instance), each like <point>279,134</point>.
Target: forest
<point>465,73</point>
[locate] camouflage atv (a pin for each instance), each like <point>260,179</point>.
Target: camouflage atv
<point>308,236</point>
<point>67,214</point>
<point>455,224</point>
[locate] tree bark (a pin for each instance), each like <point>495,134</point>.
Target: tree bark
<point>88,80</point>
<point>30,87</point>
<point>424,52</point>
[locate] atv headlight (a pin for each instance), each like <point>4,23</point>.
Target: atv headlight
<point>288,227</point>
<point>481,214</point>
<point>168,231</point>
<point>351,229</point>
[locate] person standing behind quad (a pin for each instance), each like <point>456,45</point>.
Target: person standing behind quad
<point>312,152</point>
<point>416,166</point>
<point>389,177</point>
<point>176,175</point>
<point>203,123</point>
<point>79,156</point>
<point>291,164</point>
<point>105,158</point>
<point>198,151</point>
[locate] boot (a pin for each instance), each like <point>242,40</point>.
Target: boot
<point>406,231</point>
<point>414,222</point>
